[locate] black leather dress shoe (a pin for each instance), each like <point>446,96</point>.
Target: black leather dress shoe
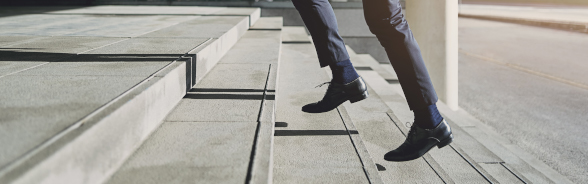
<point>337,94</point>
<point>419,141</point>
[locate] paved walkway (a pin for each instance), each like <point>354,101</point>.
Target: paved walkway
<point>569,18</point>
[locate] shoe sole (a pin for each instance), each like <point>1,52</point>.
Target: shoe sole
<point>352,99</point>
<point>439,145</point>
<point>359,97</point>
<point>445,142</point>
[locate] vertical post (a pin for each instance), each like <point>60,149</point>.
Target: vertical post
<point>434,25</point>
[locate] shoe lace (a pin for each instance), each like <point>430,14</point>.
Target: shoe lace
<point>412,130</point>
<point>321,85</point>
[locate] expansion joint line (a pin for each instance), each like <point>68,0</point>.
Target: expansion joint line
<point>257,128</point>
<point>472,165</point>
<point>354,145</point>
<point>513,173</point>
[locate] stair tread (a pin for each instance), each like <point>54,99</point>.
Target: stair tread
<point>97,78</point>
<point>217,125</point>
<point>449,160</point>
<point>310,148</point>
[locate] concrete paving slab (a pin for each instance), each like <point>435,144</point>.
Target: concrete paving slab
<point>242,76</point>
<point>319,175</point>
<point>42,25</point>
<point>294,34</point>
<point>320,149</point>
<point>8,67</point>
<point>8,40</point>
<point>33,107</point>
<point>259,47</point>
<point>127,26</point>
<point>496,169</point>
<point>87,25</point>
<point>300,158</point>
<point>59,45</point>
<point>147,46</point>
<point>268,23</point>
<point>143,69</point>
<point>217,107</point>
<point>201,27</point>
<point>173,154</point>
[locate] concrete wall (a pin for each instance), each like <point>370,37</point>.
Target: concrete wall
<point>551,2</point>
<point>45,2</point>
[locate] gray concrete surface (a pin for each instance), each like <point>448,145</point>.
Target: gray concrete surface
<point>189,147</point>
<point>449,165</point>
<point>186,151</point>
<point>310,148</point>
<point>571,18</point>
<point>119,89</point>
<point>528,84</point>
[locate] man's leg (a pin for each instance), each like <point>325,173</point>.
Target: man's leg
<point>319,18</point>
<point>386,21</point>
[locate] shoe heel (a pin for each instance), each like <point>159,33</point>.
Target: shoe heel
<point>445,142</point>
<point>359,97</point>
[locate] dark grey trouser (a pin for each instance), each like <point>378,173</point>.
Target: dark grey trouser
<point>386,21</point>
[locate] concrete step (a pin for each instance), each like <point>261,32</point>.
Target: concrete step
<point>222,130</point>
<point>489,160</point>
<point>74,108</point>
<point>313,148</point>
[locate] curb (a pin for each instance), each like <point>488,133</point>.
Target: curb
<point>568,26</point>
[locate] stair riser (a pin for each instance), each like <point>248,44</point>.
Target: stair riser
<point>90,151</point>
<point>206,56</point>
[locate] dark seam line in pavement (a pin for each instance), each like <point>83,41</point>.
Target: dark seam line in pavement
<point>296,42</point>
<point>431,166</point>
<point>230,96</point>
<point>257,129</point>
<point>313,132</point>
<point>472,165</point>
<point>491,162</point>
<point>61,59</point>
<point>354,146</point>
<point>392,81</point>
<point>211,121</point>
<point>265,29</point>
<point>367,68</point>
<point>130,14</point>
<point>75,125</point>
<point>227,90</point>
<point>516,175</point>
<point>426,161</point>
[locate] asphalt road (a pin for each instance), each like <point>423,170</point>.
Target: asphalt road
<point>531,85</point>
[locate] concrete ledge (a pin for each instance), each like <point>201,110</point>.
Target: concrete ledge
<point>94,147</point>
<point>108,135</point>
<point>569,26</point>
